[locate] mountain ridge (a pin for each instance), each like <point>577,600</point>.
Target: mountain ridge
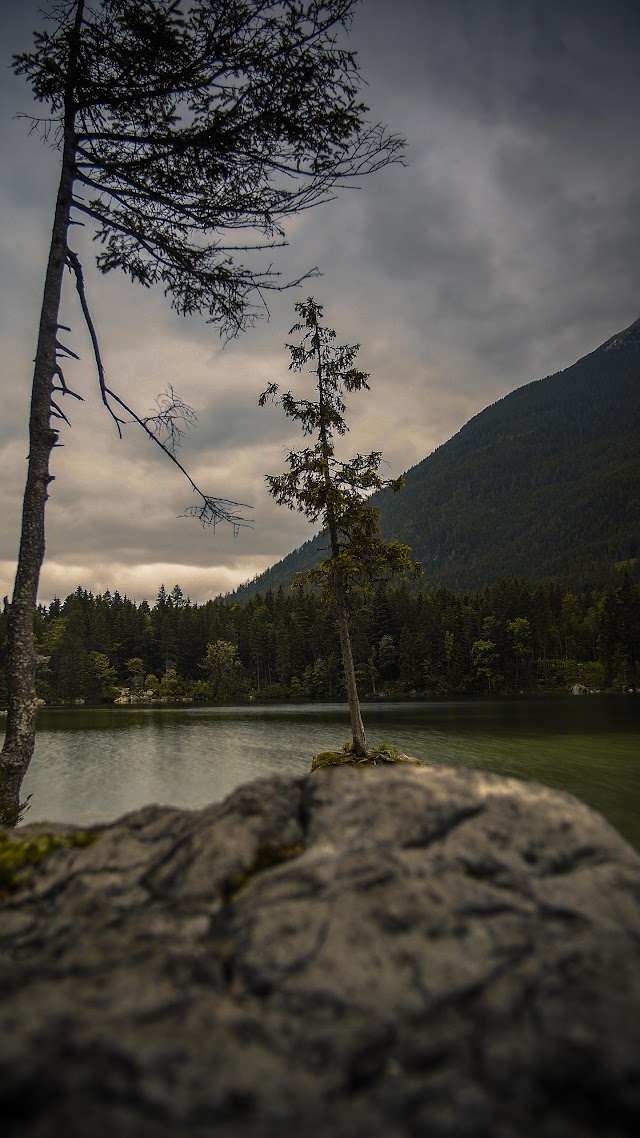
<point>542,484</point>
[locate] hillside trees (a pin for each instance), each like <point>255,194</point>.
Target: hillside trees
<point>326,489</point>
<point>182,126</point>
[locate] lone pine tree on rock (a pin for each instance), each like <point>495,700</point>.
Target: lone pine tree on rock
<point>331,491</point>
<point>179,123</point>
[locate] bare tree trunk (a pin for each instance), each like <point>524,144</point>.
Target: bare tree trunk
<point>357,726</point>
<point>339,592</point>
<point>21,662</point>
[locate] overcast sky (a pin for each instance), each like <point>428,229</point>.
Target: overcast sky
<point>507,248</point>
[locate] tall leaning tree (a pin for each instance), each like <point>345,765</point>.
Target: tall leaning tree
<point>189,131</point>
<point>335,492</point>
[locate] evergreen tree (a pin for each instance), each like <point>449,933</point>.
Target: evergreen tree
<point>323,488</point>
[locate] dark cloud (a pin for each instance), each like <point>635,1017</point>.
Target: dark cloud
<point>508,247</point>
<point>502,61</point>
<point>520,198</point>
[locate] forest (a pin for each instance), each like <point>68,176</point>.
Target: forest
<point>507,638</point>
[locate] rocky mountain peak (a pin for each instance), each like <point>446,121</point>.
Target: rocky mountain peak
<point>622,341</point>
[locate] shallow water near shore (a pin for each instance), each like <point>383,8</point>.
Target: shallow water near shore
<point>92,764</point>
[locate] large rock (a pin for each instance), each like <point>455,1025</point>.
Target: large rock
<point>359,954</point>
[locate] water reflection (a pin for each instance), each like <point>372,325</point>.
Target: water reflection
<point>92,764</point>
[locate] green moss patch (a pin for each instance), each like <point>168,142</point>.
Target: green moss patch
<point>381,756</point>
<point>17,855</point>
<point>266,858</point>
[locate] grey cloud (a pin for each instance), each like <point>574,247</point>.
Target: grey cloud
<point>508,247</point>
<point>227,423</point>
<point>137,541</point>
<point>518,235</point>
<point>505,61</point>
<point>423,230</point>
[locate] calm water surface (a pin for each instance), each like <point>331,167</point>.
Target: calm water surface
<point>92,764</point>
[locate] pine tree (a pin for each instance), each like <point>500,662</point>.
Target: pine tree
<point>333,492</point>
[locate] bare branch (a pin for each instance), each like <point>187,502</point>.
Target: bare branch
<point>170,410</point>
<point>75,265</point>
<point>67,351</point>
<point>58,413</point>
<point>64,388</point>
<point>213,510</point>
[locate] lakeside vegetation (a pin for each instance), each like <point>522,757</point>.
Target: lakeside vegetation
<point>507,638</point>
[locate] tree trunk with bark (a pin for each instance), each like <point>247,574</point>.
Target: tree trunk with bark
<point>21,658</point>
<point>357,726</point>
<point>339,592</point>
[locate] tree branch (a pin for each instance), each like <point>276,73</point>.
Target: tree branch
<point>74,263</point>
<point>213,509</point>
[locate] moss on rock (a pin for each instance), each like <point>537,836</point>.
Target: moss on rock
<point>17,855</point>
<point>381,756</point>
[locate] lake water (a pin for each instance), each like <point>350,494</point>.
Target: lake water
<point>92,764</point>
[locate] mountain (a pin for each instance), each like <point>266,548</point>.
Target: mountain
<point>543,484</point>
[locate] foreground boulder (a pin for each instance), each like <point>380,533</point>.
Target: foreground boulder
<point>371,953</point>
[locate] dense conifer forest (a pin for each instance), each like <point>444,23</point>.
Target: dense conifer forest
<point>509,637</point>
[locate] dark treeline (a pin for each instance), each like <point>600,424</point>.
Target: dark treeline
<point>509,637</point>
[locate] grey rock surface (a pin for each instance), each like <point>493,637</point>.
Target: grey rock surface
<point>371,953</point>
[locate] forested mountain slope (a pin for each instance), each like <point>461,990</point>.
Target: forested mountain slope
<point>543,484</point>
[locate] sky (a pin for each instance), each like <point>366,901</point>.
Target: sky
<point>505,249</point>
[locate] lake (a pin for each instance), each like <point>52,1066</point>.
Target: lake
<point>92,764</point>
